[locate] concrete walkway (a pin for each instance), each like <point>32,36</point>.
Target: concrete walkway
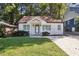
<point>69,44</point>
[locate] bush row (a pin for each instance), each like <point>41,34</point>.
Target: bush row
<point>21,33</point>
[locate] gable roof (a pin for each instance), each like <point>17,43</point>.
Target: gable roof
<point>6,24</point>
<point>48,19</point>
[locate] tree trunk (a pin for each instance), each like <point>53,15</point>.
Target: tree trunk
<point>50,6</point>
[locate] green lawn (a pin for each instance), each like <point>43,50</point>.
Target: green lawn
<point>25,46</point>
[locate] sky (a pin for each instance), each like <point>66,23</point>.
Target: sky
<point>39,1</point>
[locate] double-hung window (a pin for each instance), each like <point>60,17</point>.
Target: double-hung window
<point>26,27</point>
<point>59,27</point>
<point>46,27</point>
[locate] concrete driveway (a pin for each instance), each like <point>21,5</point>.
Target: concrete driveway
<point>69,44</point>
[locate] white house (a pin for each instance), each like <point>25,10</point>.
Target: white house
<point>35,25</point>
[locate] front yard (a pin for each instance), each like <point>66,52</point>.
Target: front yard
<point>25,46</point>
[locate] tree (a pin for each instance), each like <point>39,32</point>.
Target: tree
<point>57,10</point>
<point>77,23</point>
<point>61,10</point>
<point>43,7</point>
<point>2,6</point>
<point>11,13</point>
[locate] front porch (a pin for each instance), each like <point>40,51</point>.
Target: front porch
<point>35,28</point>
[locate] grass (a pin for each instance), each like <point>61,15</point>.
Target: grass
<point>25,46</point>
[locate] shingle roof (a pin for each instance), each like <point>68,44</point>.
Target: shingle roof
<point>48,19</point>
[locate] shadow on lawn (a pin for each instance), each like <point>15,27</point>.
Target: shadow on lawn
<point>15,42</point>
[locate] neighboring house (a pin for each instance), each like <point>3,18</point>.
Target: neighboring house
<point>69,25</point>
<point>35,25</point>
<point>69,17</point>
<point>7,28</point>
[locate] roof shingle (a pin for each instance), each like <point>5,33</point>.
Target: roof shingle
<point>48,19</point>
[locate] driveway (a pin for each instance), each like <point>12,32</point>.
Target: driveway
<point>69,44</point>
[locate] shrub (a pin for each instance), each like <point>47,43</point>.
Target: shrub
<point>21,33</point>
<point>45,33</point>
<point>2,34</point>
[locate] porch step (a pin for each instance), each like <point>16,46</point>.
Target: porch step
<point>36,36</point>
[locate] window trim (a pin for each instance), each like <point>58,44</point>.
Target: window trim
<point>46,27</point>
<point>59,27</point>
<point>27,27</point>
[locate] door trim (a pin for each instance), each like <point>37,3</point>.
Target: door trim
<point>37,29</point>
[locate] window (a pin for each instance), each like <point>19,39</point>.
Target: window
<point>46,27</point>
<point>26,27</point>
<point>59,27</point>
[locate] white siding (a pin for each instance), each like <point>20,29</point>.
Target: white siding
<point>54,27</point>
<point>20,26</point>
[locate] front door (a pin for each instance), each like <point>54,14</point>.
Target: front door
<point>37,29</point>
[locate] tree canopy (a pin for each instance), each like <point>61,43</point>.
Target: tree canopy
<point>12,12</point>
